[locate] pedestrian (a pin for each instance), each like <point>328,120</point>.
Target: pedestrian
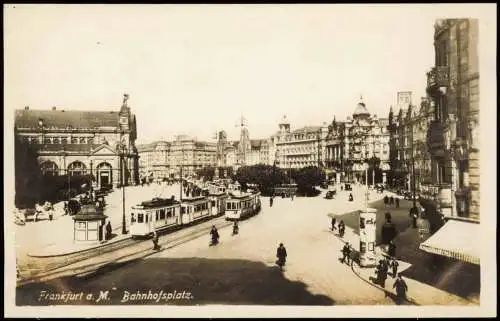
<point>341,187</point>
<point>386,200</point>
<point>346,251</point>
<point>341,228</point>
<point>414,215</point>
<point>351,198</point>
<point>394,266</point>
<point>401,289</point>
<point>397,202</point>
<point>155,241</point>
<point>109,230</point>
<point>281,255</point>
<point>334,220</point>
<point>66,208</point>
<point>392,249</point>
<point>383,273</point>
<point>391,201</point>
<point>271,200</point>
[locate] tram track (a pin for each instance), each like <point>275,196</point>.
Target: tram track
<point>103,256</point>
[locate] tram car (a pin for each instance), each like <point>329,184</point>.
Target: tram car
<point>242,205</point>
<point>194,209</point>
<point>154,215</point>
<point>217,202</point>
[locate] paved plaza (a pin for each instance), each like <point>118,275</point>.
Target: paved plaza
<point>241,269</point>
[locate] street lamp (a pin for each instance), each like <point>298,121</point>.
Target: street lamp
<point>122,150</point>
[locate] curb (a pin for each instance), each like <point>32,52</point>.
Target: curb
<point>80,251</point>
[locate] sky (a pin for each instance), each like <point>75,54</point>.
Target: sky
<point>197,69</point>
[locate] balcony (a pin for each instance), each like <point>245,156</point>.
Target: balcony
<point>439,193</point>
<point>460,149</point>
<point>436,139</point>
<point>438,77</point>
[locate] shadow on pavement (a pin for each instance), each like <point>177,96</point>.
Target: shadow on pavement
<point>194,280</point>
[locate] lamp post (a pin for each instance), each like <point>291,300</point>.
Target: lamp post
<point>122,167</point>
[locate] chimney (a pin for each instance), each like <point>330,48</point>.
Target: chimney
<point>26,107</point>
<point>53,107</point>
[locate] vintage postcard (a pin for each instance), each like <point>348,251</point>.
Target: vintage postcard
<point>297,160</point>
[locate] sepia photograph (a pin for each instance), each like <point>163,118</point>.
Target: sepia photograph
<point>271,160</point>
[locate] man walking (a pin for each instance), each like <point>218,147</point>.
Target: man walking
<point>397,202</point>
<point>155,241</point>
<point>346,251</point>
<point>281,255</point>
<point>394,266</point>
<point>401,289</point>
<point>334,220</point>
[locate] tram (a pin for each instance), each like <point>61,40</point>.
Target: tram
<point>154,215</point>
<point>242,205</point>
<point>194,209</point>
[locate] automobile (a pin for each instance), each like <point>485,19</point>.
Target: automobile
<point>347,187</point>
<point>330,194</point>
<point>324,185</point>
<point>407,195</point>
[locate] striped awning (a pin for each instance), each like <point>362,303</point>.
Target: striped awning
<point>456,239</point>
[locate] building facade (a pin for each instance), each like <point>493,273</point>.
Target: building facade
<point>409,156</point>
<point>164,159</point>
<point>298,148</point>
<point>453,140</point>
<point>365,139</point>
<point>97,143</point>
<point>154,160</point>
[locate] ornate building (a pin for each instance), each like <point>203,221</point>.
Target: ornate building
<point>167,159</point>
<point>453,85</point>
<point>154,160</point>
<point>365,140</point>
<point>409,158</point>
<point>298,148</point>
<point>100,143</point>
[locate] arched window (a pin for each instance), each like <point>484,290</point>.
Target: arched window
<point>64,140</point>
<point>74,140</point>
<point>82,140</point>
<point>90,141</point>
<point>77,169</point>
<point>56,140</point>
<point>47,140</point>
<point>49,168</point>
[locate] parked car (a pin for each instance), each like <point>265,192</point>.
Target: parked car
<point>407,195</point>
<point>330,194</point>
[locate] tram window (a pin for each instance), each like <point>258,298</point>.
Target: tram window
<point>147,217</point>
<point>162,214</point>
<point>183,210</point>
<point>156,215</point>
<point>169,212</point>
<point>213,203</point>
<point>140,218</point>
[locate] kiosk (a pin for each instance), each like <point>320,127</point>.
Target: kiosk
<point>89,225</point>
<point>367,237</point>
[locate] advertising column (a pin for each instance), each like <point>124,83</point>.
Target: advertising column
<point>367,234</point>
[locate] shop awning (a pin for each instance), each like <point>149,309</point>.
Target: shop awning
<point>456,239</point>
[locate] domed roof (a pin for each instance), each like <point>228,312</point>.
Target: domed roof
<point>361,110</point>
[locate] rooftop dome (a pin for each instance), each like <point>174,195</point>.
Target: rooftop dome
<point>361,110</point>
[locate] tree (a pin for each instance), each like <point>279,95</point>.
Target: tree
<point>307,178</point>
<point>265,176</point>
<point>28,175</point>
<point>207,173</point>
